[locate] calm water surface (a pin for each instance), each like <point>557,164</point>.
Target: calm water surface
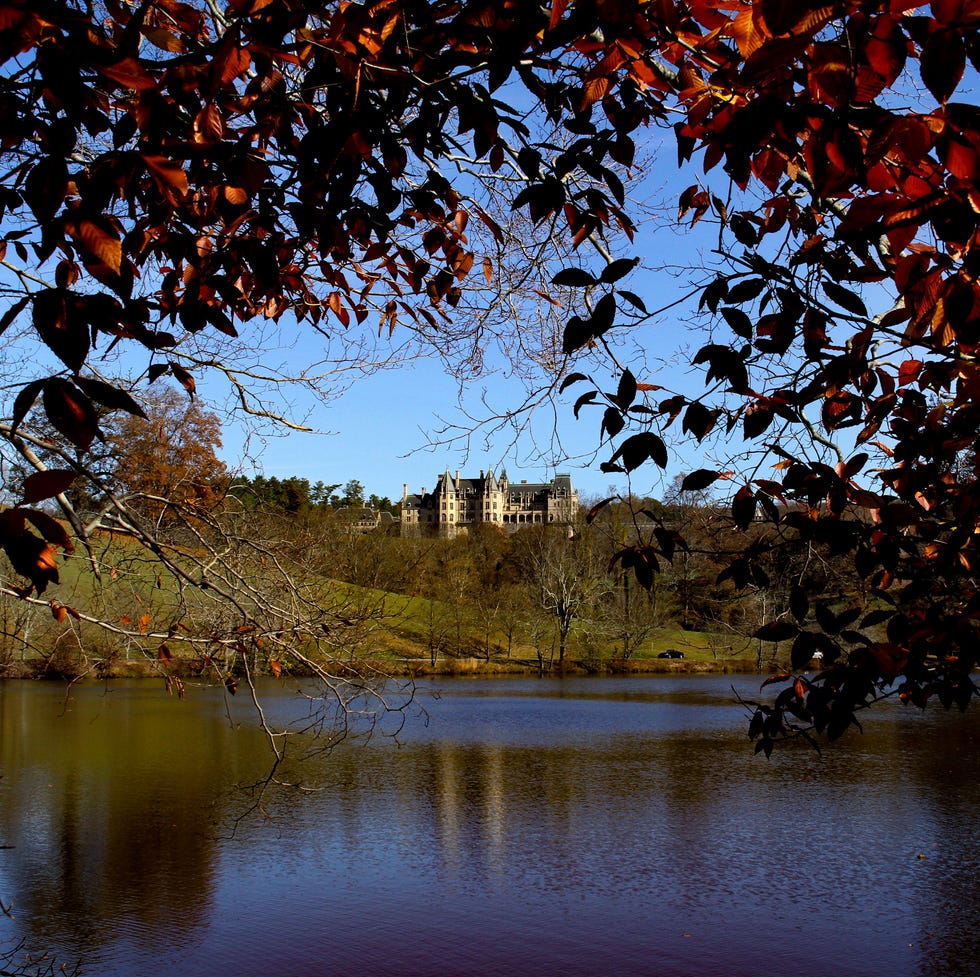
<point>567,828</point>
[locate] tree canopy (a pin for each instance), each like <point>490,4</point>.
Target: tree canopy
<point>181,177</point>
<point>167,459</point>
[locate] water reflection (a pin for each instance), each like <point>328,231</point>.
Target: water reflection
<point>566,827</point>
<point>109,802</point>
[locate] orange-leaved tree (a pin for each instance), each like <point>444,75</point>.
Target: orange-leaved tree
<point>165,465</point>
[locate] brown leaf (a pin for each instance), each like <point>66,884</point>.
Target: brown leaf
<point>109,396</point>
<point>231,61</point>
<point>908,372</point>
<point>594,90</point>
<point>62,327</point>
<point>961,158</point>
<point>129,73</point>
<point>30,556</point>
<point>46,186</point>
<point>750,31</point>
<point>597,508</point>
<point>163,39</point>
<point>99,239</point>
<point>209,125</point>
<point>886,49</point>
<point>773,679</point>
<point>169,177</point>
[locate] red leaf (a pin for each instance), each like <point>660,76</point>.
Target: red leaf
<point>61,328</point>
<point>908,372</point>
<point>960,157</point>
<point>886,49</point>
<point>70,411</point>
<point>184,379</point>
<point>558,8</point>
<point>942,63</point>
<point>39,486</point>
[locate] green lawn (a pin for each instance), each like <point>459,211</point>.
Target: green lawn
<point>132,596</point>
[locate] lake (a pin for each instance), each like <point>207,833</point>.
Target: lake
<point>562,828</point>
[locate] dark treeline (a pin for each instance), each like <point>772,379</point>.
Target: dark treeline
<point>296,494</point>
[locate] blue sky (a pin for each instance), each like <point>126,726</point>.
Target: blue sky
<point>381,431</point>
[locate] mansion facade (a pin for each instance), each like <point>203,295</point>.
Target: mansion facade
<point>457,503</point>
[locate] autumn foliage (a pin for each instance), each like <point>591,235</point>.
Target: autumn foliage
<point>166,463</point>
<point>178,168</point>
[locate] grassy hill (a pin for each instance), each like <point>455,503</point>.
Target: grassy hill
<point>150,624</point>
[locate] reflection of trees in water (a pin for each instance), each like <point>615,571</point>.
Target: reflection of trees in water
<point>533,815</point>
<point>117,802</point>
<point>696,819</point>
<point>111,813</point>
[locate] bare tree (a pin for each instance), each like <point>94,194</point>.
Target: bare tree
<point>512,613</point>
<point>560,565</point>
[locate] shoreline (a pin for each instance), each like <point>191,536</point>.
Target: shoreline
<point>398,668</point>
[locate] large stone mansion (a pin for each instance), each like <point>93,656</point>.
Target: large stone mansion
<point>457,503</point>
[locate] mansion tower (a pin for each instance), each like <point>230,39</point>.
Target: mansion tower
<point>457,503</point>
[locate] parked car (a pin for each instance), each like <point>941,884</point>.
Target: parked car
<point>671,653</point>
